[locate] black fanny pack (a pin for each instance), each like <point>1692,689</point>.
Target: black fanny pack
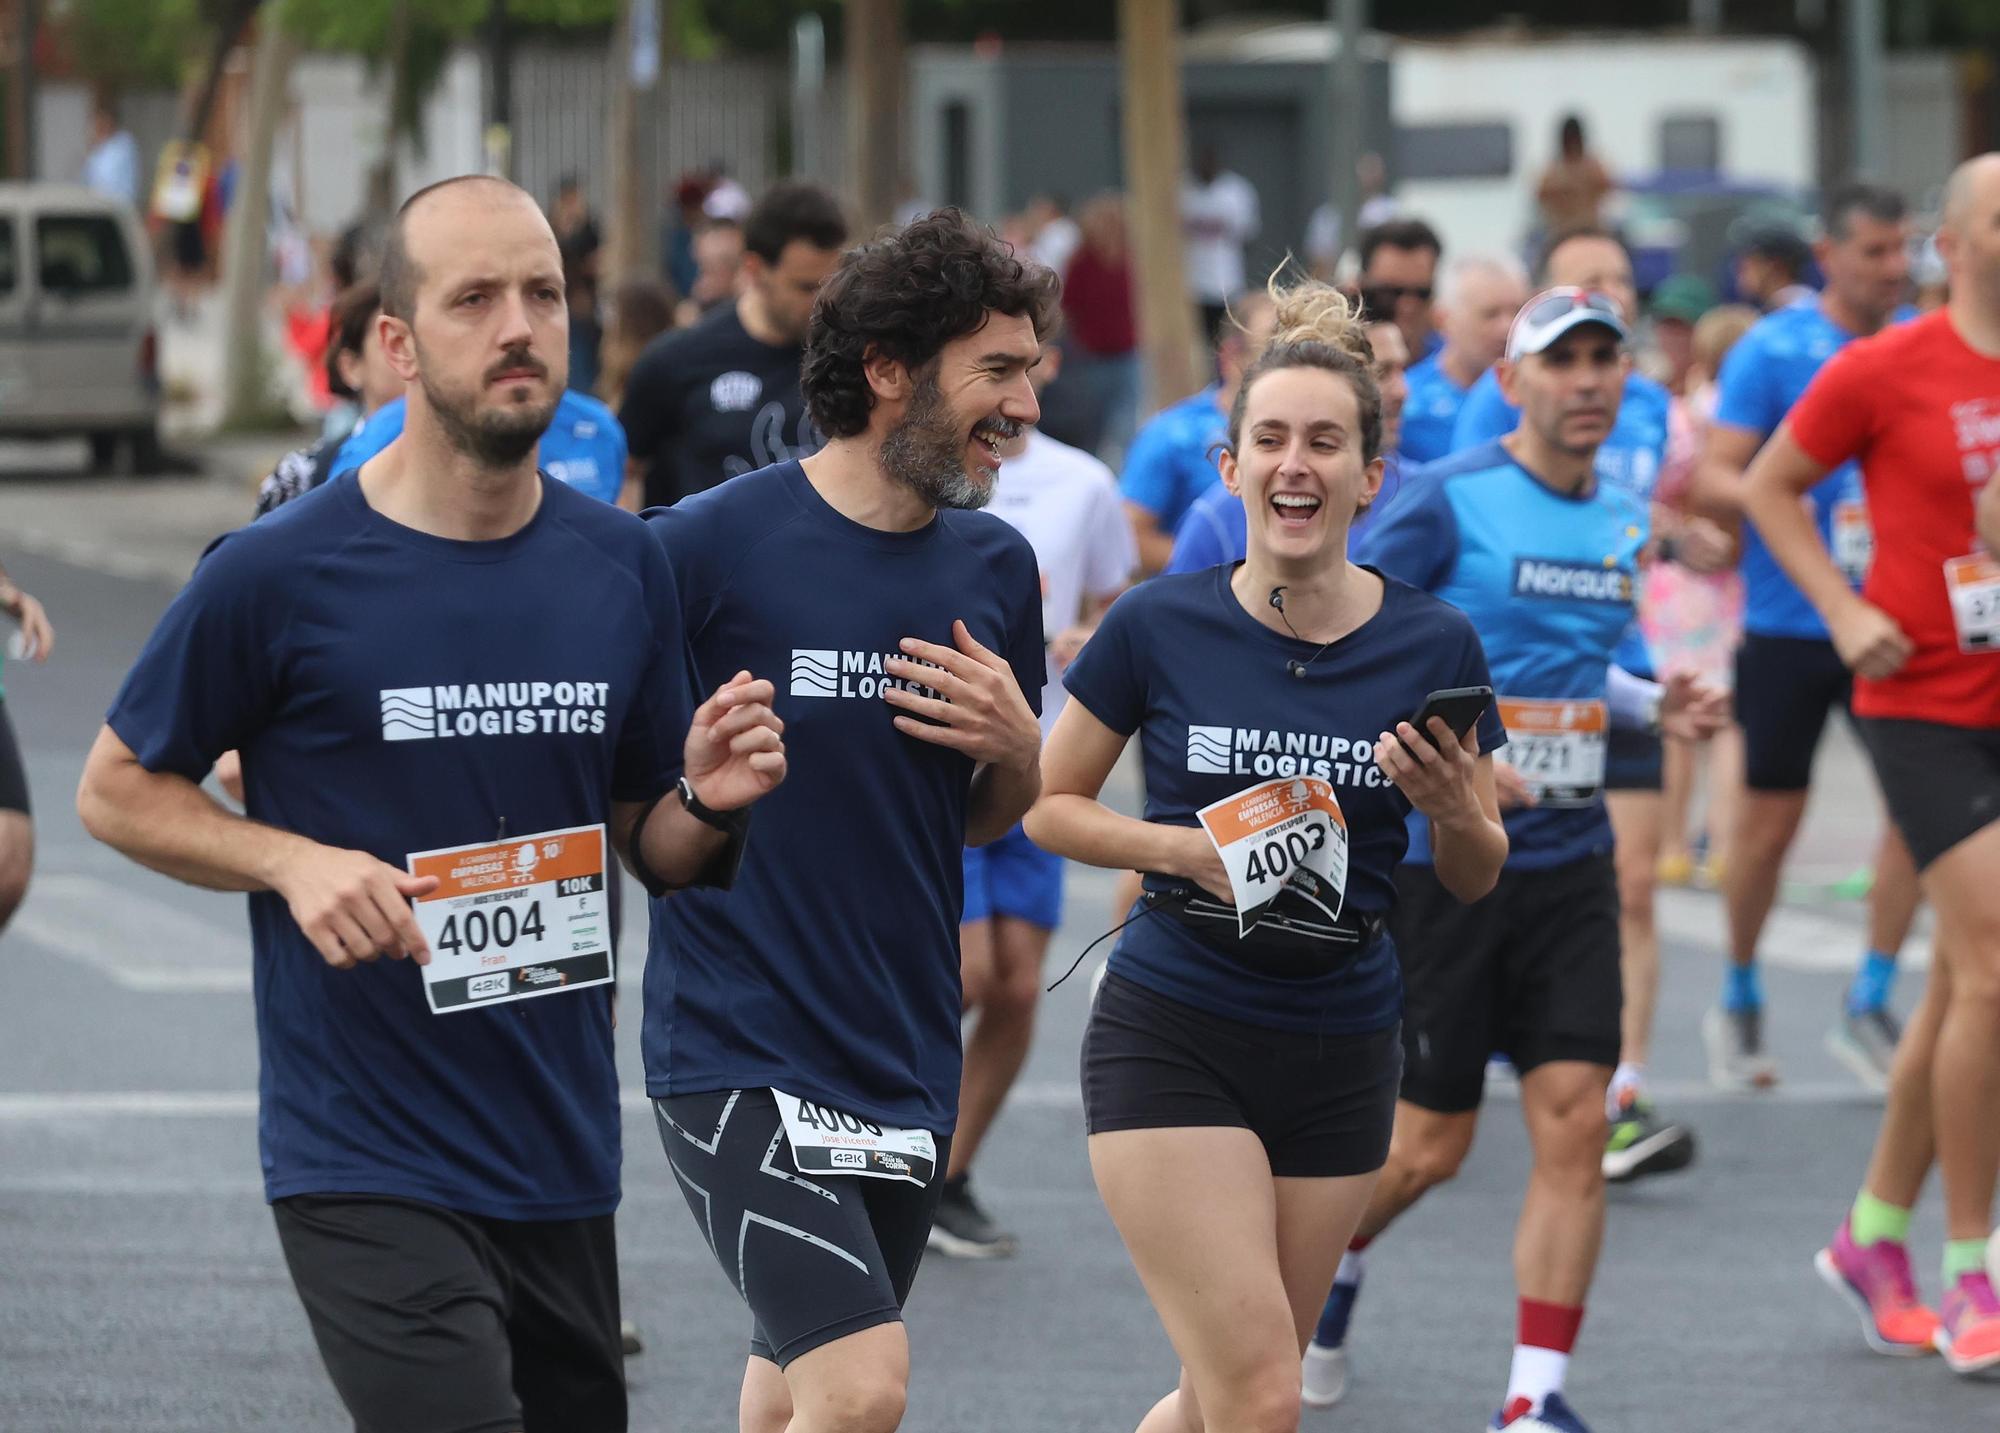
<point>1292,940</point>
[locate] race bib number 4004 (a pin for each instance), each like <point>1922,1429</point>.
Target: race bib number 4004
<point>1284,833</point>
<point>825,1140</point>
<point>515,919</point>
<point>1557,746</point>
<point>1974,584</point>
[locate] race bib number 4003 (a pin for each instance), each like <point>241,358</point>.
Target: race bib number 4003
<point>515,919</point>
<point>825,1140</point>
<point>1558,747</point>
<point>1284,833</point>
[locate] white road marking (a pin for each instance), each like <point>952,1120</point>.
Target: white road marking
<point>141,943</point>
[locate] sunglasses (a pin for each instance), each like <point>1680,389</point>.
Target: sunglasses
<point>1381,298</point>
<point>1558,302</point>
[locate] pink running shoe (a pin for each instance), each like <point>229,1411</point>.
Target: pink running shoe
<point>1877,1281</point>
<point>1969,1337</point>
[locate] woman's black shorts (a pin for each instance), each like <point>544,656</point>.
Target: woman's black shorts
<point>1323,1105</point>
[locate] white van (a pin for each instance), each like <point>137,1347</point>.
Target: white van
<point>78,349</point>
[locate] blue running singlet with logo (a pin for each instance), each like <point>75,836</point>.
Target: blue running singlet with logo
<point>394,692</point>
<point>1430,412</point>
<point>1206,687</point>
<point>831,969</point>
<point>1548,582</point>
<point>1763,376</point>
<point>1172,458</point>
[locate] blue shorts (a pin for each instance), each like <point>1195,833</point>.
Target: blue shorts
<point>1013,877</point>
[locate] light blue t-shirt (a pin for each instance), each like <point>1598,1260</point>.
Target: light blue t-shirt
<point>584,446</point>
<point>1216,529</point>
<point>1430,413</point>
<point>1763,376</point>
<point>1547,579</point>
<point>1172,459</point>
<point>1630,458</point>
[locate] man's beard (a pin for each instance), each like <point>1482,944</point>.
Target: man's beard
<point>499,438</point>
<point>926,451</point>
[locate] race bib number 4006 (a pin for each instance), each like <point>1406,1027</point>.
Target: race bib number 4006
<point>1557,746</point>
<point>1284,833</point>
<point>825,1140</point>
<point>515,919</point>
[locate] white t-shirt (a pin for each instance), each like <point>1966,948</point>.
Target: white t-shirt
<point>1217,219</point>
<point>1066,504</point>
<point>1057,241</point>
<point>1323,228</point>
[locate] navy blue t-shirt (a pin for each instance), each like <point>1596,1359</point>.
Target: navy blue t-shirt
<point>394,692</point>
<point>1206,686</point>
<point>831,969</point>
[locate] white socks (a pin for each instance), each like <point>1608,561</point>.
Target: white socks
<point>1627,1078</point>
<point>1537,1373</point>
<point>1348,1275</point>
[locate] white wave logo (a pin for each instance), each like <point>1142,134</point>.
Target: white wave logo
<point>815,672</point>
<point>408,714</point>
<point>1209,748</point>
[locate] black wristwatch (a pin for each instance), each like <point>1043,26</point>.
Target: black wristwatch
<point>729,823</point>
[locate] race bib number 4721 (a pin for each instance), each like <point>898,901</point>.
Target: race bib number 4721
<point>514,919</point>
<point>1558,747</point>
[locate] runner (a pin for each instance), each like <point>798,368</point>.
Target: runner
<point>442,1177</point>
<point>1172,458</point>
<point>1065,502</point>
<point>1522,536</point>
<point>1788,675</point>
<point>358,372</point>
<point>583,447</point>
<point>1641,1142</point>
<point>17,825</point>
<point>807,1023</point>
<point>721,398</point>
<point>1217,528</point>
<point>1480,298</point>
<point>1916,407</point>
<point>1239,1087</point>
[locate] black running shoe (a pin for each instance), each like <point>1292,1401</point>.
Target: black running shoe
<point>963,1230</point>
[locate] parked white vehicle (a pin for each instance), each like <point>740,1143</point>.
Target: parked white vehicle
<point>78,348</point>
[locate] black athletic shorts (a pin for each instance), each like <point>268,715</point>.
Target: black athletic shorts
<point>1942,782</point>
<point>815,1259</point>
<point>13,776</point>
<point>1531,971</point>
<point>1634,761</point>
<point>1786,687</point>
<point>1323,1105</point>
<point>432,1321</point>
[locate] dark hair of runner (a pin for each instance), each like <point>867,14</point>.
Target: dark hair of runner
<point>354,310</point>
<point>1398,234</point>
<point>1318,326</point>
<point>1570,236</point>
<point>1885,206</point>
<point>904,297</point>
<point>793,211</point>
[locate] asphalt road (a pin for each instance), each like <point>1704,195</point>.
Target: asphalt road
<point>141,1286</point>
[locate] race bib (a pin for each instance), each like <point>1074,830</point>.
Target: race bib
<point>1278,835</point>
<point>1557,746</point>
<point>825,1140</point>
<point>1974,584</point>
<point>514,919</point>
<point>1853,540</point>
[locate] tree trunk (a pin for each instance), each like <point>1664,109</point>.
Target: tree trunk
<point>227,30</point>
<point>874,61</point>
<point>244,361</point>
<point>1149,54</point>
<point>630,247</point>
<point>382,178</point>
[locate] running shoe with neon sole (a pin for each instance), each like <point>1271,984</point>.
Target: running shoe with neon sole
<point>1736,1055</point>
<point>1554,1416</point>
<point>1969,1334</point>
<point>1876,1279</point>
<point>1642,1143</point>
<point>1866,1044</point>
<point>1323,1372</point>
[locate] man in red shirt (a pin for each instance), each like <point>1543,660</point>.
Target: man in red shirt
<point>1919,406</point>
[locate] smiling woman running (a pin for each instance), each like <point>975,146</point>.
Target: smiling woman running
<point>1239,1087</point>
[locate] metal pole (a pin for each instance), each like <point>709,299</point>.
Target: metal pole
<point>1348,20</point>
<point>1866,89</point>
<point>1705,16</point>
<point>21,89</point>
